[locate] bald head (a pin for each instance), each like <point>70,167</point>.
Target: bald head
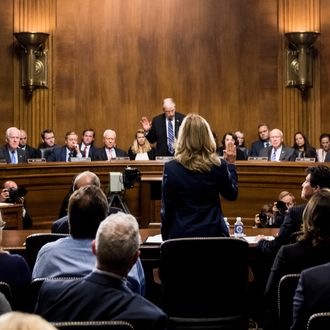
<point>86,178</point>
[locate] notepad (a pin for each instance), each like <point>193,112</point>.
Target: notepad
<point>255,239</point>
<point>154,239</point>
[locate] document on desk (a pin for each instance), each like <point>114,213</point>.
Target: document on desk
<point>154,239</point>
<point>254,239</point>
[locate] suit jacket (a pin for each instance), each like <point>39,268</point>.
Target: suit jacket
<point>4,154</point>
<point>292,223</point>
<point>30,152</point>
<point>100,154</point>
<point>151,154</point>
<point>59,154</point>
<point>158,132</point>
<point>256,147</point>
<point>44,152</point>
<point>97,296</point>
<point>61,226</point>
<point>312,295</point>
<point>327,157</point>
<point>91,150</point>
<point>190,200</point>
<point>287,154</point>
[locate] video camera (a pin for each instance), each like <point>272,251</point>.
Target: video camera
<point>130,176</point>
<point>16,194</point>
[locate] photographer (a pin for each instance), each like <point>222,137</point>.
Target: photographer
<point>11,193</point>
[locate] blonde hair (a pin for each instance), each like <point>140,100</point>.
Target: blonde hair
<point>24,321</point>
<point>136,148</point>
<point>195,148</point>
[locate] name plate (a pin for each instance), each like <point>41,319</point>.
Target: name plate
<point>305,159</point>
<point>262,159</point>
<point>119,158</point>
<point>3,161</point>
<point>164,158</point>
<point>36,160</point>
<point>82,159</point>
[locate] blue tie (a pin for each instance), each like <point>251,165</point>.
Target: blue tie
<point>273,158</point>
<point>170,137</point>
<point>13,158</point>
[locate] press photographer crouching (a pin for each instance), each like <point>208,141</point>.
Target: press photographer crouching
<point>11,193</point>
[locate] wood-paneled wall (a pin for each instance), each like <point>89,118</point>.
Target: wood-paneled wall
<point>112,61</point>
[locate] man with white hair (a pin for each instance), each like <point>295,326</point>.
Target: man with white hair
<point>277,151</point>
<point>103,294</point>
<point>164,128</point>
<point>109,150</point>
<point>11,152</point>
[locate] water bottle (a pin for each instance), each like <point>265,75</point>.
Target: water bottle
<point>238,228</point>
<point>227,224</point>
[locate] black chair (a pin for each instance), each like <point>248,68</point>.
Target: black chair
<point>286,290</point>
<point>34,242</point>
<point>204,283</point>
<point>93,325</point>
<point>6,291</point>
<point>319,321</point>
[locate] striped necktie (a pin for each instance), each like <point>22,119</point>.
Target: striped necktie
<point>170,137</point>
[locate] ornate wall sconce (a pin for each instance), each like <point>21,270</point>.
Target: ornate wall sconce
<point>34,60</point>
<point>300,59</point>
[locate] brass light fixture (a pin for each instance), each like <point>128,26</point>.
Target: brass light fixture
<point>300,59</point>
<point>34,60</point>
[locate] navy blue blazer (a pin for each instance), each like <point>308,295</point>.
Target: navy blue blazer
<point>190,200</point>
<point>158,132</point>
<point>312,295</point>
<point>30,152</point>
<point>59,154</point>
<point>100,154</point>
<point>91,150</point>
<point>287,154</point>
<point>327,157</point>
<point>97,297</point>
<point>4,154</point>
<point>256,147</point>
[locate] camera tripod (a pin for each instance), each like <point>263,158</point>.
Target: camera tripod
<point>117,196</point>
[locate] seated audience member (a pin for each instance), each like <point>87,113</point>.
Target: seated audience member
<point>24,321</point>
<point>241,143</point>
<point>11,193</point>
<point>192,182</point>
<point>109,150</point>
<point>277,152</point>
<point>312,248</point>
<point>15,271</point>
<point>231,137</point>
<point>82,179</point>
<point>263,142</point>
<point>86,145</point>
<point>4,305</point>
<point>69,150</point>
<point>322,152</point>
<point>141,148</point>
<point>48,143</point>
<point>302,147</point>
<point>272,215</point>
<point>164,128</point>
<point>11,152</point>
<point>312,294</point>
<point>103,294</point>
<point>72,256</point>
<point>29,151</point>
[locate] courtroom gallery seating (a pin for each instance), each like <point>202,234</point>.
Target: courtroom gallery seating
<point>286,290</point>
<point>6,291</point>
<point>204,282</point>
<point>93,325</point>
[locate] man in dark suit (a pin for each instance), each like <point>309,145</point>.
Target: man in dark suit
<point>327,157</point>
<point>47,145</point>
<point>109,150</point>
<point>312,295</point>
<point>164,128</point>
<point>263,142</point>
<point>11,152</point>
<point>86,145</point>
<point>30,152</point>
<point>278,152</point>
<point>103,294</point>
<point>65,153</point>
